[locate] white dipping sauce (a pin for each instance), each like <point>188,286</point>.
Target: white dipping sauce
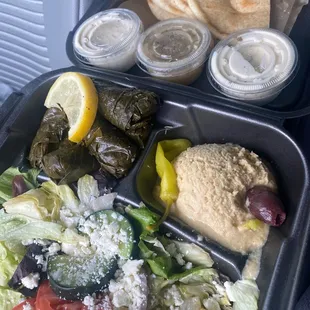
<point>109,39</point>
<point>253,65</point>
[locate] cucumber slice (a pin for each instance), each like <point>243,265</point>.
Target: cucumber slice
<point>111,236</point>
<point>109,232</point>
<point>76,277</point>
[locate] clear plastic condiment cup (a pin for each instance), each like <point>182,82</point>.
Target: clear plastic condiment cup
<point>175,50</point>
<point>109,39</point>
<point>253,65</point>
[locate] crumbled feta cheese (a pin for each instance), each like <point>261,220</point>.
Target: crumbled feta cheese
<point>105,237</point>
<point>174,295</point>
<point>54,248</point>
<point>129,289</point>
<point>89,302</point>
<point>31,281</point>
<point>42,242</point>
<point>27,242</point>
<point>179,258</point>
<point>171,249</point>
<point>39,259</point>
<point>48,250</point>
<point>188,266</point>
<point>69,219</point>
<point>199,238</point>
<point>27,306</point>
<point>97,304</point>
<point>76,250</point>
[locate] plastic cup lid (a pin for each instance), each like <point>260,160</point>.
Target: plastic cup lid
<point>253,60</point>
<point>106,33</point>
<point>173,45</point>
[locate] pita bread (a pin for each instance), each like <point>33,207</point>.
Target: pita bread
<point>250,6</point>
<point>169,6</point>
<point>222,17</point>
<point>184,7</point>
<point>195,7</point>
<point>158,12</point>
<point>219,15</point>
<point>232,22</point>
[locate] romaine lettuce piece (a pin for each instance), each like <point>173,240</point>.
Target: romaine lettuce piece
<point>9,261</point>
<point>18,228</point>
<point>161,266</point>
<point>194,254</point>
<point>69,200</point>
<point>36,203</point>
<point>243,293</point>
<point>211,304</point>
<point>201,290</point>
<point>9,298</point>
<point>192,304</point>
<point>196,275</point>
<point>87,189</point>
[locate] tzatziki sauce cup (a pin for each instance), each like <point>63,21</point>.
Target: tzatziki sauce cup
<point>253,65</point>
<point>175,50</point>
<point>109,39</point>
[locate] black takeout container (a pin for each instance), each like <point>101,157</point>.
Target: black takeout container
<point>201,114</point>
<point>202,120</point>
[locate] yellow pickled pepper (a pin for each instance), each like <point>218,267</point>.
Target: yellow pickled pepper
<point>168,185</point>
<point>168,150</point>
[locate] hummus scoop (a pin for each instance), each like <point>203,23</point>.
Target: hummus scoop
<point>213,180</point>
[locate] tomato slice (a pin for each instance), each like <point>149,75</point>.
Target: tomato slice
<point>48,300</point>
<point>30,301</point>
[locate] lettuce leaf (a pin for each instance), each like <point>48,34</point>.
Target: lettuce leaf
<point>6,179</point>
<point>87,189</point>
<point>196,275</point>
<point>36,203</point>
<point>211,304</point>
<point>17,228</point>
<point>243,293</point>
<point>72,208</point>
<point>9,298</point>
<point>145,217</point>
<point>194,254</point>
<point>66,194</point>
<point>9,261</point>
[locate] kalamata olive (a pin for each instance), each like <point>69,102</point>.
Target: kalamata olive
<point>265,205</point>
<point>19,186</point>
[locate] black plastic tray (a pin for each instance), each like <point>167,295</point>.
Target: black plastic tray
<point>201,121</point>
<point>293,100</point>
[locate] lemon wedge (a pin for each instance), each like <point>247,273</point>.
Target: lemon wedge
<point>76,94</point>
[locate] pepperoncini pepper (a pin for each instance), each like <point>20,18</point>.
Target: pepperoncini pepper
<point>166,152</point>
